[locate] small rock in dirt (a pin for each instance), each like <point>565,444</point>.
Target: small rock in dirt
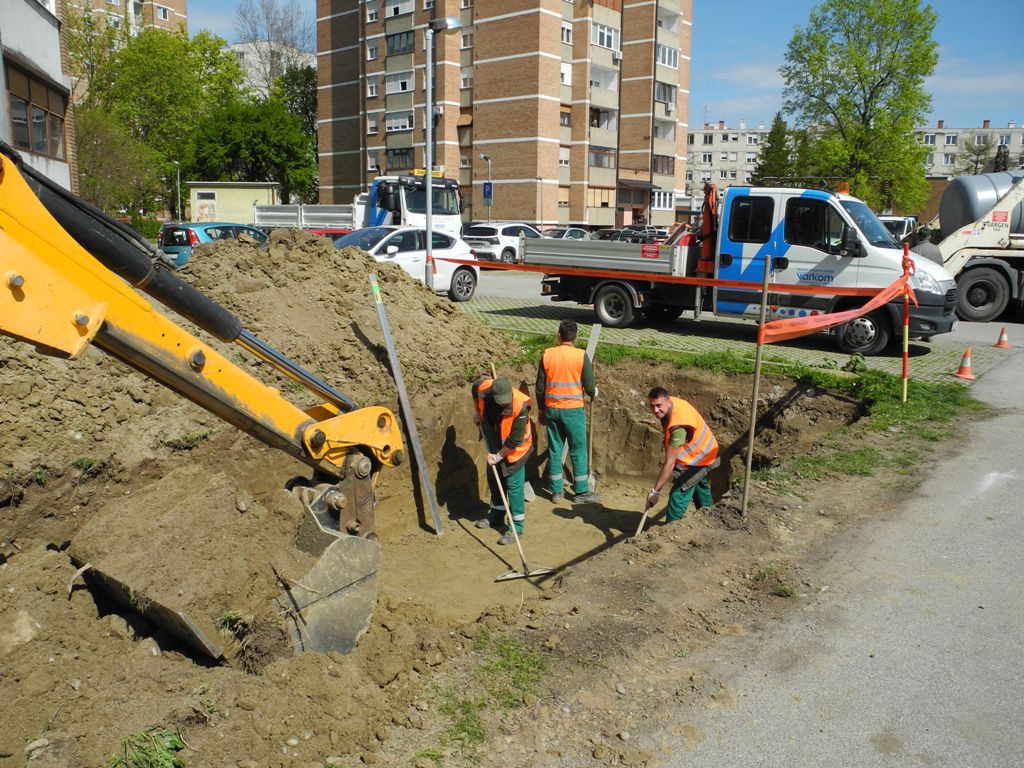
<point>76,683</point>
<point>724,582</point>
<point>601,752</point>
<point>243,502</point>
<point>553,643</point>
<point>371,758</point>
<point>620,689</point>
<point>529,699</point>
<point>37,744</point>
<point>421,705</point>
<point>292,742</point>
<point>623,735</point>
<point>416,721</point>
<point>118,626</point>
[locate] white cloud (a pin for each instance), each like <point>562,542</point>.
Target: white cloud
<point>755,76</point>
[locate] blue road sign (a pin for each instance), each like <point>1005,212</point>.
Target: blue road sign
<point>488,192</point>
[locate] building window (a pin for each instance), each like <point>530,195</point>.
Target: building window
<point>666,56</point>
<point>734,137</point>
<point>466,78</point>
<point>467,40</point>
<point>723,175</point>
<point>664,130</point>
<point>566,73</point>
<point>398,82</point>
<point>724,156</point>
<point>601,157</point>
<point>37,120</point>
<point>752,139</point>
<point>950,139</point>
<point>1004,139</point>
<point>733,157</point>
<point>664,164</point>
<point>949,159</point>
<point>373,160</point>
<point>929,139</point>
<point>371,51</point>
<point>563,197</point>
<point>751,157</point>
<point>164,14</point>
<point>663,201</point>
<point>399,159</point>
<point>371,10</point>
<point>394,8</point>
<point>605,37</point>
<point>732,175</point>
<point>599,198</point>
<point>664,92</point>
<point>371,87</point>
<point>567,33</point>
<point>705,176</point>
<point>709,139</point>
<point>428,4</point>
<point>706,157</point>
<point>465,3</point>
<point>398,121</point>
<point>403,42</point>
<point>981,139</point>
<point>371,124</point>
<point>465,161</point>
<point>563,156</point>
<point>929,159</point>
<point>565,118</point>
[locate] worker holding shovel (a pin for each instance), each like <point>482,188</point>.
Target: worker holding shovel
<point>503,415</point>
<point>563,376</point>
<point>691,451</point>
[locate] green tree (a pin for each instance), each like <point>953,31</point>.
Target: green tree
<point>972,157</point>
<point>116,171</point>
<point>91,42</point>
<point>297,89</point>
<point>775,159</point>
<point>254,141</point>
<point>854,77</point>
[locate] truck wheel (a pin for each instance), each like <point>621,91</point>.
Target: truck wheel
<point>661,314</point>
<point>982,296</point>
<point>508,256</point>
<point>867,334</point>
<point>614,306</point>
<point>463,285</point>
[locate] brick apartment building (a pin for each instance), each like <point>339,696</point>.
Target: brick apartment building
<point>166,14</point>
<point>580,107</point>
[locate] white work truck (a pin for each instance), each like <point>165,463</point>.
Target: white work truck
<point>811,237</point>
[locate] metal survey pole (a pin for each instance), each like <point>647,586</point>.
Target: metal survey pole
<point>757,382</point>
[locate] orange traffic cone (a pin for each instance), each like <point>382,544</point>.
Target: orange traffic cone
<point>1003,343</point>
<point>964,371</point>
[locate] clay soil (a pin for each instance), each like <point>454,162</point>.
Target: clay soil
<point>98,457</point>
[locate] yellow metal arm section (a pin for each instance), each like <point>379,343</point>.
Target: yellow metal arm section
<point>56,296</point>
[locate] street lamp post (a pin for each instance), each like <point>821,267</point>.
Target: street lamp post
<point>435,25</point>
<point>177,200</point>
<point>488,159</point>
<point>540,214</point>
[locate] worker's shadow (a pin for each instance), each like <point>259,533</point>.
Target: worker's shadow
<point>458,479</point>
<point>613,523</point>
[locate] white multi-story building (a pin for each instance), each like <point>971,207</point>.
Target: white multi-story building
<point>264,61</point>
<point>946,153</point>
<point>722,155</point>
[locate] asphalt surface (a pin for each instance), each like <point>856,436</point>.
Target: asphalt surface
<point>908,651</point>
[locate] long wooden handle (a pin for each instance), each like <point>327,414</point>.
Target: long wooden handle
<point>511,522</point>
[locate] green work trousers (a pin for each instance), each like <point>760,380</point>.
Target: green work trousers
<point>567,424</point>
<point>679,498</point>
<point>513,483</point>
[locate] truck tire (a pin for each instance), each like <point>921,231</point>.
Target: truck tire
<point>614,306</point>
<point>508,256</point>
<point>868,334</point>
<point>982,294</point>
<point>662,313</point>
<point>463,285</point>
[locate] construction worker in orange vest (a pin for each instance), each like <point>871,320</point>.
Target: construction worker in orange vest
<point>563,376</point>
<point>691,452</point>
<point>503,415</point>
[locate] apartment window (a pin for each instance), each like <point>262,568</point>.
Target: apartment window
<point>751,157</point>
<point>734,137</point>
<point>465,3</point>
<point>565,118</point>
<point>667,56</point>
<point>981,139</point>
<point>371,50</point>
<point>706,157</point>
<point>929,139</point>
<point>563,156</point>
<point>1004,139</point>
<point>664,130</point>
<point>371,10</point>
<point>371,123</point>
<point>664,164</point>
<point>399,159</point>
<point>398,82</point>
<point>732,175</point>
<point>467,40</point>
<point>403,42</point>
<point>164,14</point>
<point>466,77</point>
<point>563,197</point>
<point>724,156</point>
<point>599,198</point>
<point>723,175</point>
<point>733,157</point>
<point>689,139</point>
<point>37,114</point>
<point>709,139</point>
<point>662,201</point>
<point>394,8</point>
<point>428,4</point>
<point>664,92</point>
<point>705,176</point>
<point>929,159</point>
<point>373,160</point>
<point>951,139</point>
<point>465,161</point>
<point>398,121</point>
<point>752,139</point>
<point>566,73</point>
<point>567,33</point>
<point>602,118</point>
<point>605,37</point>
<point>601,157</point>
<point>371,87</point>
<point>949,158</point>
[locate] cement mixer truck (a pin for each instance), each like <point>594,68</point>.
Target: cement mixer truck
<point>981,219</point>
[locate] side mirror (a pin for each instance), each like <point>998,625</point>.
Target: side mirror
<point>391,250</point>
<point>851,244</point>
<point>388,198</point>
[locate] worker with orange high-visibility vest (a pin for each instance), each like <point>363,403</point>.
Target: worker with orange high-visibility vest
<point>503,415</point>
<point>691,452</point>
<point>563,377</point>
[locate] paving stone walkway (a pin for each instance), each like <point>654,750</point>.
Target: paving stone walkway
<point>930,361</point>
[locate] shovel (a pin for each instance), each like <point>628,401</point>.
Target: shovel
<point>527,572</point>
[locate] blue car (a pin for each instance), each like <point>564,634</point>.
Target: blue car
<point>177,238</point>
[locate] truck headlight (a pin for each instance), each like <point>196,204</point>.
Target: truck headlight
<point>922,281</point>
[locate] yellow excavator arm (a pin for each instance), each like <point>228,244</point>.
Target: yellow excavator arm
<point>70,275</point>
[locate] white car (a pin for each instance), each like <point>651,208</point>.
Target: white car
<point>406,247</point>
<point>498,242</point>
<point>567,233</point>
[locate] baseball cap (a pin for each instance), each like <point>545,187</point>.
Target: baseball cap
<point>501,391</point>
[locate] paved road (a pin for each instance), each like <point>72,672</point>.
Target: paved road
<point>913,656</point>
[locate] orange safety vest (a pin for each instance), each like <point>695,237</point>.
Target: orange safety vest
<point>563,377</point>
<point>519,401</point>
<point>702,450</point>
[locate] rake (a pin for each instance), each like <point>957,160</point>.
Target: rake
<point>527,571</point>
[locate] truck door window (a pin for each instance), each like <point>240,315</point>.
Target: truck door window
<point>750,219</point>
<point>813,223</point>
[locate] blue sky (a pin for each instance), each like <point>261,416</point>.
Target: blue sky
<point>738,48</point>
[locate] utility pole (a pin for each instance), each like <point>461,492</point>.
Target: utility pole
<point>177,200</point>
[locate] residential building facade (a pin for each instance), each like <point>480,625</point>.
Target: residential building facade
<point>36,117</point>
<point>140,14</point>
<point>263,62</point>
<point>947,156</point>
<point>579,107</point>
<point>722,155</point>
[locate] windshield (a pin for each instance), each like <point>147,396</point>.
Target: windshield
<point>362,238</point>
<point>895,227</point>
<point>446,201</point>
<point>869,224</point>
<point>481,232</point>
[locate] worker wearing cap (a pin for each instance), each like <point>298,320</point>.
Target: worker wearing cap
<point>691,452</point>
<point>563,376</point>
<point>926,245</point>
<point>503,415</point>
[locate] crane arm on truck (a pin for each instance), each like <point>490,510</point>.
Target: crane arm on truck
<point>69,272</point>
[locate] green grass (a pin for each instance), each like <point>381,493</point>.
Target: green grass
<point>40,475</point>
<point>151,749</point>
<point>188,441</point>
<point>232,622</point>
<point>89,468</point>
<point>512,670</point>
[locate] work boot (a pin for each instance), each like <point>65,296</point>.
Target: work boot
<point>587,498</point>
<point>557,497</point>
<point>507,539</point>
<point>483,523</point>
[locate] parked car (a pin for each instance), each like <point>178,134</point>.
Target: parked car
<point>567,233</point>
<point>498,242</point>
<point>176,239</point>
<point>407,247</point>
<point>657,234</point>
<point>603,234</point>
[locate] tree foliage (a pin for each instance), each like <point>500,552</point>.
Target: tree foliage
<point>91,42</point>
<point>854,78</point>
<point>280,36</point>
<point>116,170</point>
<point>775,160</point>
<point>973,157</point>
